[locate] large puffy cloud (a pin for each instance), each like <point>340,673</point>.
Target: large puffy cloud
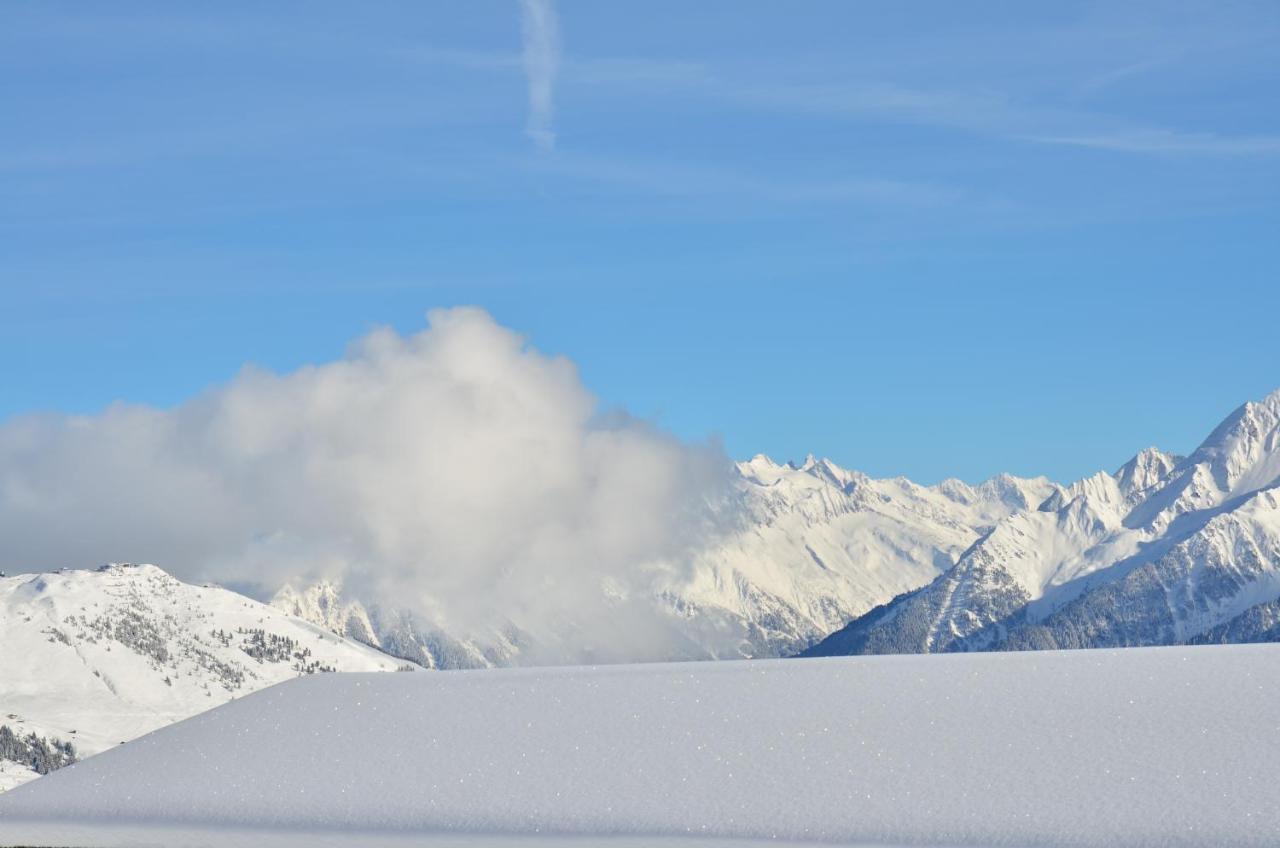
<point>456,472</point>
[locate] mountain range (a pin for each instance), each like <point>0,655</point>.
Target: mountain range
<point>1167,550</point>
<point>812,546</point>
<point>1164,550</point>
<point>820,561</point>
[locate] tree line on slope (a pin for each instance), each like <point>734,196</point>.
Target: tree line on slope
<point>36,752</point>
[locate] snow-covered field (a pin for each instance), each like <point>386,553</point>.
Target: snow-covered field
<point>1162,746</point>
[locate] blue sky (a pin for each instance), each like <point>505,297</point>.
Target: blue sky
<point>931,239</point>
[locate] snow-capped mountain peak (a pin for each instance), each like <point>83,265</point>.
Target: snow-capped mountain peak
<point>1151,467</point>
<point>762,469</point>
<point>1241,456</point>
<point>1016,493</point>
<point>1163,551</point>
<point>1243,453</point>
<point>1100,495</point>
<point>322,603</point>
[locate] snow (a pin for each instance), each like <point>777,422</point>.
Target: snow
<point>99,657</point>
<point>1151,504</point>
<point>1164,746</point>
<point>1164,504</point>
<point>14,774</point>
<point>812,546</point>
<point>1161,552</point>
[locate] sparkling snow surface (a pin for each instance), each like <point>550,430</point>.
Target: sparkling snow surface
<point>1162,746</point>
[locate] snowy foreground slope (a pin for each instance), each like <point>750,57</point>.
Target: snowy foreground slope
<point>1163,746</point>
<point>1167,550</point>
<point>96,658</point>
<point>812,546</point>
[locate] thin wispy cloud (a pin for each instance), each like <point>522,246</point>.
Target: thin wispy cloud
<point>994,113</point>
<point>1172,143</point>
<point>541,33</point>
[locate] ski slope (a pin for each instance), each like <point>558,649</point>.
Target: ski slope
<point>1159,746</point>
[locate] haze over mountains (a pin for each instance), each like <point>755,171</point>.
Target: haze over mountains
<point>1165,550</point>
<point>811,546</point>
<point>805,557</point>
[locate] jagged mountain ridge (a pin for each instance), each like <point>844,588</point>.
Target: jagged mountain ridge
<point>99,657</point>
<point>817,545</point>
<point>1167,550</point>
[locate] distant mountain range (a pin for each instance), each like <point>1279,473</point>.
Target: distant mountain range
<point>1168,550</point>
<point>821,561</point>
<point>814,545</point>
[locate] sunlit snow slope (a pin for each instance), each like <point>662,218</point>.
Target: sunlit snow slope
<point>100,657</point>
<point>1163,746</point>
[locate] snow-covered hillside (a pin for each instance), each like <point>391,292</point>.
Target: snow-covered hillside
<point>1140,747</point>
<point>96,658</point>
<point>814,546</point>
<point>1167,550</point>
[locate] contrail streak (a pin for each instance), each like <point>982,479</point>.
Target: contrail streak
<point>541,34</point>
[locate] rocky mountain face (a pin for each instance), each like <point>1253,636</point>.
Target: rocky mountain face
<point>815,546</point>
<point>1167,550</point>
<point>90,659</point>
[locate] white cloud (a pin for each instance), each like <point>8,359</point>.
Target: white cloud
<point>456,472</point>
<point>541,33</point>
